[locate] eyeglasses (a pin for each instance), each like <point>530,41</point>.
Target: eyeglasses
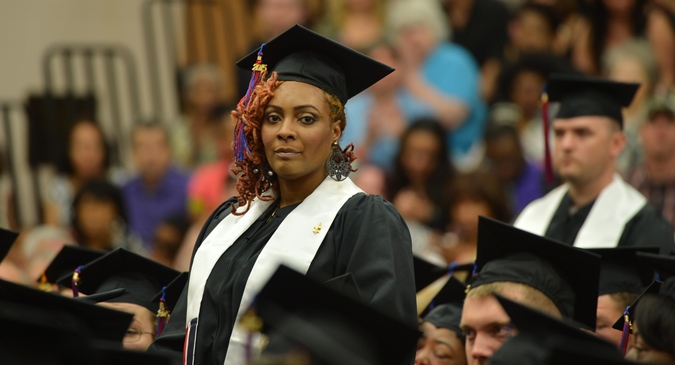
<point>134,335</point>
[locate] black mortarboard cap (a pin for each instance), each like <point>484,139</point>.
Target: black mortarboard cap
<point>447,316</point>
<point>653,288</point>
<point>172,291</point>
<point>567,275</point>
<point>426,272</point>
<point>7,239</point>
<point>621,271</point>
<point>539,333</point>
<point>585,96</point>
<point>103,323</point>
<point>453,292</point>
<point>662,265</point>
<point>141,278</point>
<point>299,54</point>
<point>333,327</point>
<point>68,259</point>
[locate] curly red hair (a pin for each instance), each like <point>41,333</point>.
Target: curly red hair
<point>253,179</point>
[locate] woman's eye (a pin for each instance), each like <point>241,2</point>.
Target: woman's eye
<point>307,119</point>
<point>273,118</point>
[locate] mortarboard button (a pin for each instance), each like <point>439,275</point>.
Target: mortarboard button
<point>567,275</point>
<point>299,54</point>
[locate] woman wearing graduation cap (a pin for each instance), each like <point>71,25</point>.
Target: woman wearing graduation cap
<point>296,205</point>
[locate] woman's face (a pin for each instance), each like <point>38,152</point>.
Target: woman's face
<point>640,351</point>
<point>419,156</point>
<point>87,151</point>
<point>95,217</point>
<point>297,132</point>
<point>141,331</point>
<point>439,346</point>
<point>465,215</point>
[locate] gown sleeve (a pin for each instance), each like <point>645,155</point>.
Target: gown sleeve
<point>170,342</point>
<point>374,245</point>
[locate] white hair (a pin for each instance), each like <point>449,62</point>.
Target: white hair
<point>403,13</point>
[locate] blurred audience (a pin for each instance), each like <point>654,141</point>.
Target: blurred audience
<point>655,177</point>
<point>355,23</point>
<point>661,35</point>
<point>168,238</point>
<point>607,23</point>
<point>213,183</point>
<point>439,75</point>
<point>422,171</point>
<point>505,160</point>
<point>86,157</point>
<point>158,189</point>
<point>480,26</point>
<point>377,117</point>
<point>632,62</point>
<point>191,136</point>
<point>100,219</point>
<point>471,195</point>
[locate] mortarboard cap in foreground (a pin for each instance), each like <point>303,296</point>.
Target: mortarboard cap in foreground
<point>447,316</point>
<point>567,275</point>
<point>584,96</point>
<point>140,277</point>
<point>538,334</point>
<point>103,323</point>
<point>332,327</point>
<point>427,272</point>
<point>621,271</point>
<point>662,265</point>
<point>299,54</point>
<point>67,260</point>
<point>7,239</point>
<point>653,288</point>
<point>172,291</point>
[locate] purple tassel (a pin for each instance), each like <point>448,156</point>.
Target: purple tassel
<point>240,144</point>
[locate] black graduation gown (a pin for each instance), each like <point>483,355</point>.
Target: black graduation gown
<point>368,239</point>
<point>646,229</point>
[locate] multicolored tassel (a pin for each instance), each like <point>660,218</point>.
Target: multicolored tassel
<point>162,314</point>
<point>548,164</point>
<point>240,143</point>
<point>44,285</point>
<point>253,324</point>
<point>75,281</point>
<point>625,334</point>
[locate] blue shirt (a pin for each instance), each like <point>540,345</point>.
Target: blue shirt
<point>147,208</point>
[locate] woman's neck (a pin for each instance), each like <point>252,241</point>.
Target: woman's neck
<point>295,191</point>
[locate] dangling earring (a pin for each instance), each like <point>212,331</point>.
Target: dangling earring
<point>337,166</point>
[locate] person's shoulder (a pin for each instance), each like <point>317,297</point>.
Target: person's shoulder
<point>363,203</point>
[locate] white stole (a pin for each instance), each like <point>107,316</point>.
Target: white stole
<point>614,207</point>
<point>293,244</point>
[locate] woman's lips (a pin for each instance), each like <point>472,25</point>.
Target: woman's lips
<point>286,153</point>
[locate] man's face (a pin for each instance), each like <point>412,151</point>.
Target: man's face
<point>658,137</point>
<point>608,312</point>
<point>586,147</point>
<point>486,326</point>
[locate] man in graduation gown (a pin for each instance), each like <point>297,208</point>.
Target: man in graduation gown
<point>594,207</point>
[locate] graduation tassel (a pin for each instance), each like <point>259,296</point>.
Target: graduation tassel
<point>240,144</point>
<point>162,314</point>
<point>548,164</point>
<point>253,324</point>
<point>626,331</point>
<point>75,281</point>
<point>44,285</point>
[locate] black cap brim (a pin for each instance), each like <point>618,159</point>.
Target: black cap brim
<point>337,69</point>
<point>173,290</point>
<point>103,323</point>
<point>426,272</point>
<point>580,269</point>
<point>351,324</point>
<point>453,292</point>
<point>662,265</point>
<point>7,239</point>
<point>622,271</point>
<point>142,278</point>
<point>653,288</point>
<point>68,259</point>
